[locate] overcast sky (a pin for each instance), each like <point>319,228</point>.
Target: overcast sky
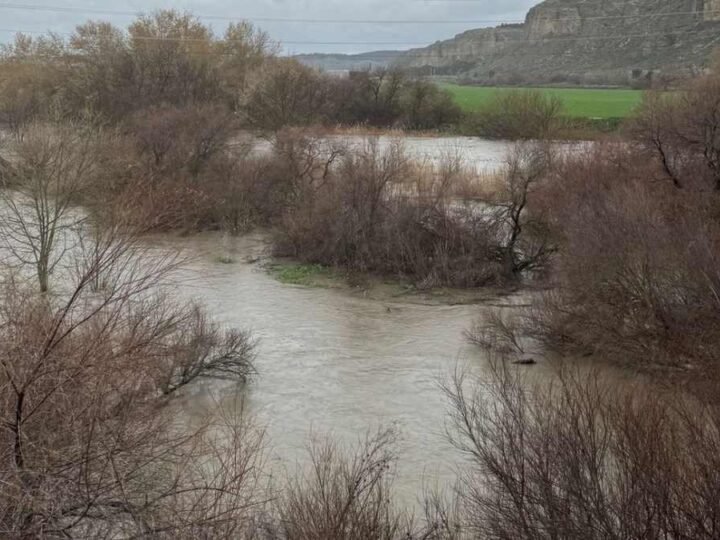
<point>296,37</point>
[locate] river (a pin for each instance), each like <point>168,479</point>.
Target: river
<point>333,363</point>
<point>481,154</point>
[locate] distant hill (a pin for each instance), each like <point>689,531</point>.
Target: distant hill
<point>575,41</point>
<point>572,41</point>
<point>350,62</point>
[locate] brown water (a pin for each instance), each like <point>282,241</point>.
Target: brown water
<point>331,362</point>
<point>481,154</point>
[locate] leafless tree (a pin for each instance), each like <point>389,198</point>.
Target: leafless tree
<point>526,244</point>
<point>86,448</point>
<point>51,167</point>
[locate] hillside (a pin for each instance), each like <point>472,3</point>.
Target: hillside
<point>580,42</point>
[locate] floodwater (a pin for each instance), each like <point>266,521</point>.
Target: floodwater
<point>482,154</point>
<point>331,362</point>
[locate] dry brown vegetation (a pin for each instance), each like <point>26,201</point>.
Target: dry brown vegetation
<point>171,59</point>
<point>373,210</point>
<point>580,457</point>
<point>141,130</point>
<point>635,276</point>
<point>87,447</point>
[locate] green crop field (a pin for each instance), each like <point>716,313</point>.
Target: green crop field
<point>578,102</point>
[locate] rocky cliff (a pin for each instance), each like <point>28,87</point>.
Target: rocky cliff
<point>585,42</point>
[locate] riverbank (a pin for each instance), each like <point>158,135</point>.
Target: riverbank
<point>379,288</point>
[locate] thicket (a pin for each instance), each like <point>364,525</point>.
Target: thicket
<point>170,59</point>
<point>518,114</point>
<point>635,275</point>
<point>374,210</point>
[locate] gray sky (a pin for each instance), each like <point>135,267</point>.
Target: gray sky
<point>296,36</point>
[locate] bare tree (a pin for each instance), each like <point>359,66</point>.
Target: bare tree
<point>52,166</point>
<point>525,244</point>
<point>86,448</point>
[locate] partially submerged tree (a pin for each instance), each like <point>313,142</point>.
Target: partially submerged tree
<point>199,348</point>
<point>86,447</point>
<point>525,242</point>
<point>51,168</point>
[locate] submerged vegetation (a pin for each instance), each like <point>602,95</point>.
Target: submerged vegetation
<point>113,135</point>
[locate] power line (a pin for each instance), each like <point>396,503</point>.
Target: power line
<point>91,11</point>
<point>399,53</point>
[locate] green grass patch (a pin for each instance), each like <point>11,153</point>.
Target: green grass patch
<point>306,275</point>
<point>578,102</point>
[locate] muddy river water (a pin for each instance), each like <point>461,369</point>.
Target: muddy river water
<point>332,362</point>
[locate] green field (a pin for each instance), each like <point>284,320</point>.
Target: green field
<point>579,102</point>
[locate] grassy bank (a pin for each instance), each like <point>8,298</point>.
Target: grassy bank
<point>380,288</point>
<point>578,102</point>
<point>305,275</point>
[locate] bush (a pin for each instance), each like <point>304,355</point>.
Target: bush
<point>580,457</point>
<point>378,212</point>
<point>681,132</point>
<point>426,106</point>
<point>635,273</point>
<point>519,114</point>
<point>345,495</point>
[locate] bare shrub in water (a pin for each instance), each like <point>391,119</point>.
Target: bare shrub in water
<point>87,449</point>
<point>343,495</point>
<point>580,458</point>
<point>636,267</point>
<point>198,348</point>
<point>376,211</point>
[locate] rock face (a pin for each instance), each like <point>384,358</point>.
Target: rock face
<point>576,41</point>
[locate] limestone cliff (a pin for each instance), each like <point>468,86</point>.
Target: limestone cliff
<point>597,41</point>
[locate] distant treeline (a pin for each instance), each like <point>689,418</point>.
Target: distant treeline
<point>172,59</point>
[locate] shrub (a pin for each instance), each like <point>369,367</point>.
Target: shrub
<point>519,114</point>
<point>426,106</point>
<point>636,267</point>
<point>344,495</point>
<point>580,457</point>
<point>681,132</point>
<point>375,211</point>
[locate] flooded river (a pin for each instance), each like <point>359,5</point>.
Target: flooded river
<point>331,362</point>
<point>482,154</point>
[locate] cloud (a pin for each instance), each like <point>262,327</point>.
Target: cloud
<point>297,36</point>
